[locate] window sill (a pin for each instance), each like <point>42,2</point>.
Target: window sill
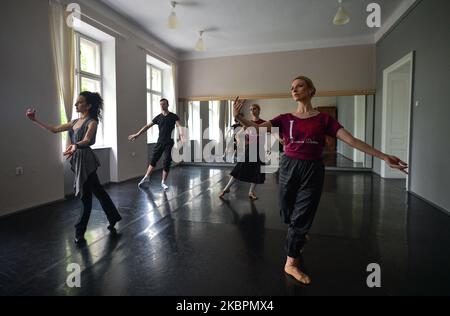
<point>101,147</point>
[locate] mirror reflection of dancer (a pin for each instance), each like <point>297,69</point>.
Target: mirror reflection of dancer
<point>232,134</point>
<point>83,160</point>
<point>166,122</point>
<point>302,168</point>
<point>249,171</point>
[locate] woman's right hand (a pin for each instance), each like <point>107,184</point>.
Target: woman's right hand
<point>70,151</point>
<point>31,114</point>
<point>237,107</point>
<point>396,163</point>
<point>133,137</point>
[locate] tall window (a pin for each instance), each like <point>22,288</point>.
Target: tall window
<point>214,120</point>
<point>154,96</point>
<point>229,117</point>
<point>89,73</point>
<point>195,131</point>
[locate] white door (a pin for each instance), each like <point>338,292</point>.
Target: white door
<point>396,117</point>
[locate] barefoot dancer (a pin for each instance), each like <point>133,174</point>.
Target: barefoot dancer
<point>302,168</point>
<point>249,171</point>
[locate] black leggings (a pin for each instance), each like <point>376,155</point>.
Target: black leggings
<point>93,186</point>
<point>301,184</point>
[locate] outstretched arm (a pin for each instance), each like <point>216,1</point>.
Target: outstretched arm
<point>133,137</point>
<point>392,161</point>
<point>31,114</point>
<point>237,107</point>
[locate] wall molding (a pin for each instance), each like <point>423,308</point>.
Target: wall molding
<point>396,17</point>
<point>438,207</point>
<point>281,48</point>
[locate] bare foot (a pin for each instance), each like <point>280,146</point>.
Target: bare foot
<point>253,196</point>
<point>297,274</point>
<point>224,192</point>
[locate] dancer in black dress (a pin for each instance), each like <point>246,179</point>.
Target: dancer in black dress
<point>248,171</point>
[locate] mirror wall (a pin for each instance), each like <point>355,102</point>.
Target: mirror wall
<point>355,113</point>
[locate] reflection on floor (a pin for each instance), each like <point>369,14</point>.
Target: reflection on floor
<point>337,160</point>
<point>189,242</point>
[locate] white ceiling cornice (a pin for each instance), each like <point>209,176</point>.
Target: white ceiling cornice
<point>131,27</point>
<point>395,16</point>
<point>278,48</point>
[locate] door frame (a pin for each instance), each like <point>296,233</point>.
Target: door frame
<point>409,58</point>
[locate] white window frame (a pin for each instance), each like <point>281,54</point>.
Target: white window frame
<point>152,134</point>
<point>194,123</point>
<point>214,129</point>
<point>79,74</point>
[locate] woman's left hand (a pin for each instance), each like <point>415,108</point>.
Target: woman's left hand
<point>31,114</point>
<point>70,151</point>
<point>396,163</point>
<point>237,107</point>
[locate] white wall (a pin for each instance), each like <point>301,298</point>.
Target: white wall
<point>27,59</point>
<point>27,80</point>
<point>423,30</point>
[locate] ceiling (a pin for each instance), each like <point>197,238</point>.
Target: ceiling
<point>250,26</point>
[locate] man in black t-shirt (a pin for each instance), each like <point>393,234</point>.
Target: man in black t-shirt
<point>166,122</point>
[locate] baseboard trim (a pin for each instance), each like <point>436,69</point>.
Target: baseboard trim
<point>440,208</point>
<point>140,176</point>
<point>28,209</point>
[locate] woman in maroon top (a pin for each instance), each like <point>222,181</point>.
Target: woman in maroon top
<point>302,169</point>
<point>247,171</point>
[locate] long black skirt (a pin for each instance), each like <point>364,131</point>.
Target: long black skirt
<point>249,171</point>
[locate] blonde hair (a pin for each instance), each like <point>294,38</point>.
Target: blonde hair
<point>309,83</point>
<point>256,106</point>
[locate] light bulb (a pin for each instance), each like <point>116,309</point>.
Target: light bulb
<point>342,17</point>
<point>173,21</point>
<point>200,47</point>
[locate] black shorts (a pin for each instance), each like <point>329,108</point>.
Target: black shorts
<point>165,151</point>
